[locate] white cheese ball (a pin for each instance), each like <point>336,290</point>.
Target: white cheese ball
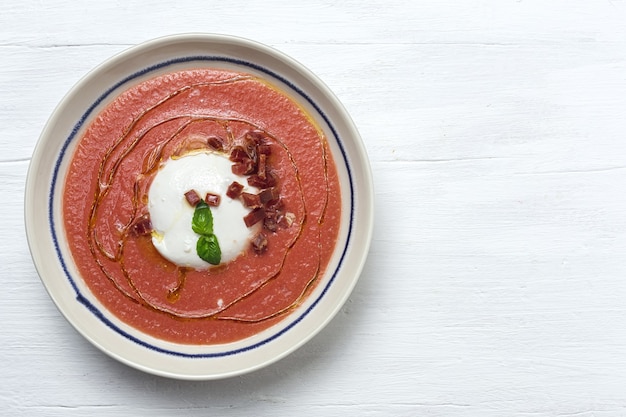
<point>171,214</point>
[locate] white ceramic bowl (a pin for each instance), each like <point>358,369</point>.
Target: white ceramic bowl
<point>44,225</point>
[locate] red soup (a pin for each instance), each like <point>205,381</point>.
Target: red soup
<point>289,189</point>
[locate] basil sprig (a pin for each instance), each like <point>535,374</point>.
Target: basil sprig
<point>207,247</point>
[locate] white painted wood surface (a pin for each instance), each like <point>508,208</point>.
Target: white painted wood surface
<point>496,282</point>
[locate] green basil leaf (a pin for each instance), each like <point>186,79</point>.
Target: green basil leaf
<point>202,222</point>
<point>208,249</point>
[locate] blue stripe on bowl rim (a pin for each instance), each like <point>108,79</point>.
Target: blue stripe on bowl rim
<point>94,309</point>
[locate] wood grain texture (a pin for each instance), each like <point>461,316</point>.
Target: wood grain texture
<point>495,284</point>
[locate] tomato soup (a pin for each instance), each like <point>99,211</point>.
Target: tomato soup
<point>289,189</point>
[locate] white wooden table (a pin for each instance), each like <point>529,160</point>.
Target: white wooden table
<point>496,281</point>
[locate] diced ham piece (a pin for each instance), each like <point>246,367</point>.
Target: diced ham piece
<point>142,227</point>
<point>216,143</point>
<point>250,147</point>
<point>256,136</point>
<point>212,199</point>
<point>264,150</point>
<point>269,196</point>
<point>270,223</point>
<point>261,169</point>
<point>250,200</point>
<point>259,243</point>
<point>238,154</point>
<point>257,181</point>
<point>254,217</point>
<point>287,220</point>
<point>192,198</point>
<point>245,167</point>
<point>234,190</point>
